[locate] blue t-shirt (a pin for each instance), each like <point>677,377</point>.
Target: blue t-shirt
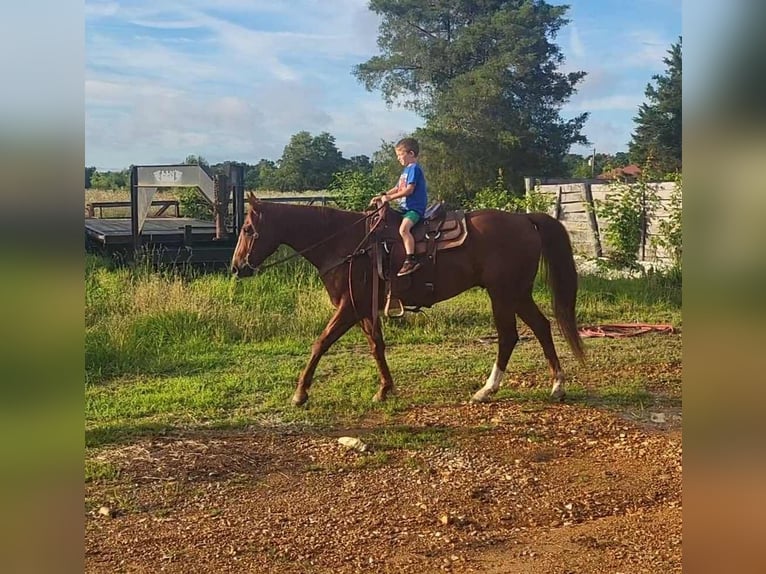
<point>418,199</point>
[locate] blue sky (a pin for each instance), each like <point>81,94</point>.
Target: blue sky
<point>234,79</point>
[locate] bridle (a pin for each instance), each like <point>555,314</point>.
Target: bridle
<point>253,235</point>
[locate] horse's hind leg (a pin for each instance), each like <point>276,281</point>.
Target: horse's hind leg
<point>507,337</point>
<point>343,319</point>
<point>378,348</point>
<point>530,313</point>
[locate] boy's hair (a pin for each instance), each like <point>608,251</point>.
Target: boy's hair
<point>409,144</point>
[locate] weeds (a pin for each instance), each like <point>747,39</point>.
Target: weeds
<point>167,351</point>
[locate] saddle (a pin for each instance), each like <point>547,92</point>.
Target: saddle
<point>439,230</point>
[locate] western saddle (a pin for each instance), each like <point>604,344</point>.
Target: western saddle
<point>437,231</point>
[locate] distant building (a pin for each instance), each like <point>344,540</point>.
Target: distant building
<point>628,173</point>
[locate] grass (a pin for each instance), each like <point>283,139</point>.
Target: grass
<point>177,351</point>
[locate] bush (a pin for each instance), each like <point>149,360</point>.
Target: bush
<point>192,204</point>
<point>353,190</point>
<point>628,208</point>
<point>670,235</point>
<point>498,197</point>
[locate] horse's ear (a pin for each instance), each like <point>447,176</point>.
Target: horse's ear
<point>251,199</point>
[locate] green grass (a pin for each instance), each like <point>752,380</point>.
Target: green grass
<point>96,470</point>
<point>168,352</point>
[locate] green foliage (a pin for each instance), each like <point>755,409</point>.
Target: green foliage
<point>353,190</point>
<point>670,236</point>
<point>485,76</point>
<point>627,207</point>
<point>307,163</point>
<point>658,123</point>
<point>169,351</point>
<point>498,197</point>
<point>192,204</point>
<point>190,199</point>
<point>196,160</point>
<point>89,171</point>
<point>110,179</point>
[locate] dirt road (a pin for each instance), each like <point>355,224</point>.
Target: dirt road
<point>500,487</point>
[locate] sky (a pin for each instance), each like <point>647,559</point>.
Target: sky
<point>235,79</point>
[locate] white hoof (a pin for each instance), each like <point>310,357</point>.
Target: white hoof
<point>481,396</point>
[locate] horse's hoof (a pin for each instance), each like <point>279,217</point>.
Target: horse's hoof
<point>299,398</point>
<point>558,395</point>
<point>480,397</point>
<point>379,397</point>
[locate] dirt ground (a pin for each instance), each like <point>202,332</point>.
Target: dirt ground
<point>499,487</point>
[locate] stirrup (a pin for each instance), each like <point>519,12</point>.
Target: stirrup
<point>387,309</point>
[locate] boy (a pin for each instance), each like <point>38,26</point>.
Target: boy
<point>412,192</point>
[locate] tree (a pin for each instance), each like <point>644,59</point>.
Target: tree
<point>267,175</point>
<point>110,179</point>
<point>656,142</point>
<point>484,75</point>
<point>325,160</point>
<point>307,163</point>
<point>89,171</point>
<point>360,163</point>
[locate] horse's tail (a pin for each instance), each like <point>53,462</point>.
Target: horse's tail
<point>559,268</point>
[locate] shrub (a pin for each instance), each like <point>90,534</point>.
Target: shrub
<point>670,236</point>
<point>498,197</point>
<point>353,190</point>
<point>627,207</point>
<point>192,204</point>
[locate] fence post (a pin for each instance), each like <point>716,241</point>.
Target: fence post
<point>221,205</point>
<point>134,209</point>
<point>592,218</point>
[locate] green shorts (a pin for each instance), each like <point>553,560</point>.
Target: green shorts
<point>413,216</point>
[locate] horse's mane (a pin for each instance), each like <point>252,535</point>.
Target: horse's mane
<point>328,215</point>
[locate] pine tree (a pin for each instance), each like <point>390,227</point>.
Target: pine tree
<point>485,76</point>
<point>657,136</point>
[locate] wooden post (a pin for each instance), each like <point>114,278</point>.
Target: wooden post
<point>134,209</point>
<point>221,206</point>
<point>188,237</point>
<point>592,217</point>
<point>236,174</point>
<point>557,208</point>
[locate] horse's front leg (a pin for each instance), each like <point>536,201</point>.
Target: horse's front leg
<point>343,319</point>
<point>378,348</point>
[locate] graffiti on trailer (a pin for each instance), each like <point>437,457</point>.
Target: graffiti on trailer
<point>168,176</point>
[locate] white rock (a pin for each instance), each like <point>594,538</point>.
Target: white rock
<point>657,417</point>
<point>353,443</point>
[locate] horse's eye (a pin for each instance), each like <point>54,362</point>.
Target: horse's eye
<point>249,231</point>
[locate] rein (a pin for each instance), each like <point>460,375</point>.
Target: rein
<point>315,245</point>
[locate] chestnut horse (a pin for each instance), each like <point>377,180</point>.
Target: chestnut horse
<point>502,254</point>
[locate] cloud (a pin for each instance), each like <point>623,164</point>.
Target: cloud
<point>575,42</point>
<point>614,102</point>
<point>234,79</point>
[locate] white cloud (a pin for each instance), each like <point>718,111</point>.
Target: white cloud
<point>575,42</point>
<point>234,79</point>
<point>613,102</point>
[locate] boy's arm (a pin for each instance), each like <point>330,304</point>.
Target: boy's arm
<point>396,193</point>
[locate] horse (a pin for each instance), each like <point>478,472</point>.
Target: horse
<point>501,253</point>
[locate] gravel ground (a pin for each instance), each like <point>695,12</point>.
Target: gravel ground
<point>499,487</point>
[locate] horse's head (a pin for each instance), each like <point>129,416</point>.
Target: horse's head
<point>254,243</point>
